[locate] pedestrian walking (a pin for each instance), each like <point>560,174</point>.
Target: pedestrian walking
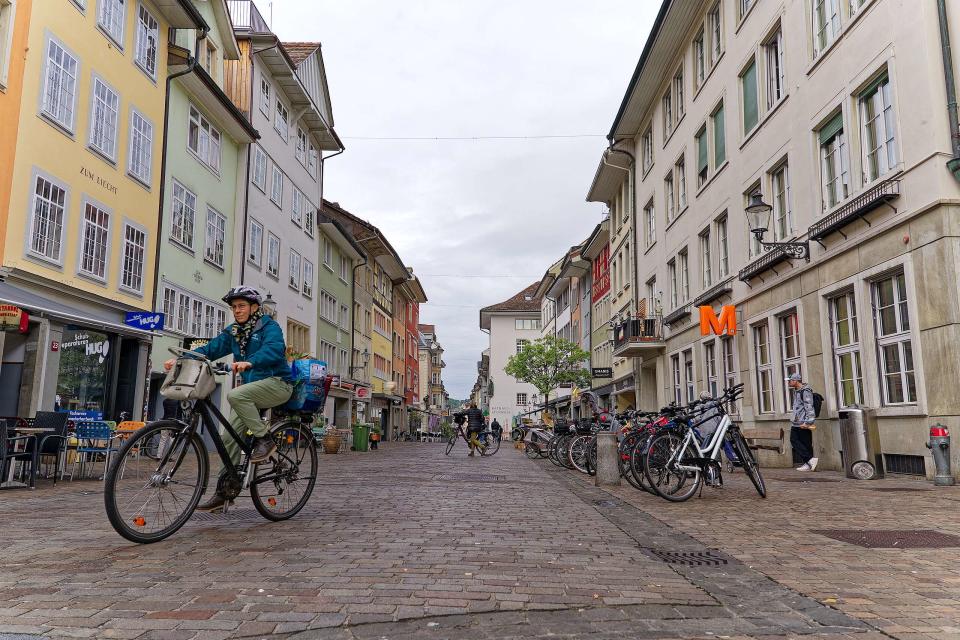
<point>802,423</point>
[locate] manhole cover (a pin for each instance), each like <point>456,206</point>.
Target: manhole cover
<point>807,479</point>
<point>230,516</point>
<point>900,490</point>
<point>893,538</point>
<point>690,558</point>
<point>469,477</point>
<point>606,503</point>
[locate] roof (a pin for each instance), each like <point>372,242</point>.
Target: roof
<point>299,51</point>
<point>376,246</point>
<point>426,328</point>
<point>516,303</point>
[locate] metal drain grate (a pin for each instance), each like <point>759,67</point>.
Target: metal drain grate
<point>606,503</point>
<point>893,538</point>
<point>690,558</point>
<point>233,515</point>
<point>469,477</point>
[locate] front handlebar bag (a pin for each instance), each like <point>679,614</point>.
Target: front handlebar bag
<point>189,379</point>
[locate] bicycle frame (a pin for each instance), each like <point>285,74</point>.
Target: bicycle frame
<point>712,450</point>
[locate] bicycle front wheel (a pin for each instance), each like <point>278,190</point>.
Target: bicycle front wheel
<point>452,441</point>
<point>155,481</point>
<point>576,453</point>
<point>282,485</point>
<point>748,462</point>
<point>489,444</point>
<point>661,465</point>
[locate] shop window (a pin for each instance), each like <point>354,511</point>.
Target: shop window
<point>729,369</point>
<point>710,368</point>
<point>85,357</point>
<point>677,386</point>
<point>688,380</point>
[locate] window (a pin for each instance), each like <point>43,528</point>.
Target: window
<point>898,382</point>
<point>719,137</point>
<point>294,279</point>
<point>298,337</point>
<point>260,169</point>
<point>308,217</point>
<point>835,173</point>
<point>706,262</point>
<point>680,169</point>
<point>521,399</point>
<point>141,148</point>
<point>134,252</point>
<point>255,242</point>
<point>743,7</point>
<point>877,130</point>
<point>210,325</point>
<point>677,386</point>
<point>754,247</point>
<point>308,279</point>
<point>184,207</point>
<point>7,11</point>
<point>328,307</point>
<point>666,109</point>
<point>296,213</point>
<point>688,381</point>
<point>103,119</point>
<point>521,345</point>
<point>789,350</point>
<point>748,88</point>
<point>723,246</point>
<point>344,268</point>
<point>328,353</point>
<point>204,141</point>
<point>60,86</point>
<point>826,24</point>
<point>301,147</point>
<point>276,187</point>
<point>776,83</point>
<point>527,324</point>
<point>110,18</point>
<point>682,263</point>
<point>649,304</point>
<point>703,163</point>
<point>678,105</point>
<point>647,149</point>
<point>782,218</point>
<point>196,317</point>
<point>210,58</point>
<point>327,252</point>
<point>674,285</point>
<point>716,33</point>
<point>856,5</point>
<point>344,317</point>
<point>264,96</point>
<point>280,121</point>
<point>148,38</point>
<point>669,195</point>
<point>216,237</point>
<point>699,60</point>
<point>312,161</point>
<point>846,349</point>
<point>710,366</point>
<point>649,225</point>
<point>46,233</point>
<point>761,351</point>
<point>94,235</point>
<point>729,367</point>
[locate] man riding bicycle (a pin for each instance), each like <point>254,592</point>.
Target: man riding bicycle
<point>259,355</point>
<point>475,425</point>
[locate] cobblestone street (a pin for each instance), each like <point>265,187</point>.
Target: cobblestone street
<point>405,542</point>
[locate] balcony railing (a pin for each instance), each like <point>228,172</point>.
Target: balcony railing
<point>678,314</point>
<point>720,289</point>
<point>855,209</point>
<point>634,336</point>
<point>767,260</point>
<point>245,15</point>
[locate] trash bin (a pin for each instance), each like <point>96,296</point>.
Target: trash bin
<point>860,443</point>
<point>361,437</point>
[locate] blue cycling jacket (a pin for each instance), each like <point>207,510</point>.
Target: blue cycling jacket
<point>266,351</point>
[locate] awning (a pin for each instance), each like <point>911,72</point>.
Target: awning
<point>41,306</point>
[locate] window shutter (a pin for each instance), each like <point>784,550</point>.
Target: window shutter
<point>831,128</point>
<point>702,151</point>
<point>749,80</point>
<point>870,88</point>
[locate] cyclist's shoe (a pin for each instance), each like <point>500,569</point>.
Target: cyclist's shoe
<point>214,504</point>
<point>470,454</point>
<point>263,448</point>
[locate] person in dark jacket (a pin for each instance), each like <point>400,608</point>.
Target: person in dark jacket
<point>475,425</point>
<point>255,341</point>
<point>496,429</point>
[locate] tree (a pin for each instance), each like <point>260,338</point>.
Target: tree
<point>549,362</point>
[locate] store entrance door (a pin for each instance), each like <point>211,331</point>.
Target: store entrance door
<point>128,369</point>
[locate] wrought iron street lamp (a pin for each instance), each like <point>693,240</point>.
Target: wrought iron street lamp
<point>366,358</point>
<point>758,217</point>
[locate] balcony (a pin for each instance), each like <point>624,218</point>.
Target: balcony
<point>767,260</point>
<point>857,208</point>
<point>677,315</point>
<point>722,288</point>
<point>637,337</point>
<point>246,16</point>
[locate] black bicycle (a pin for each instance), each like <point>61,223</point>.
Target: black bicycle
<point>488,443</point>
<point>157,479</point>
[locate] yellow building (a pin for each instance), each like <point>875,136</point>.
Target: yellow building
<point>81,218</point>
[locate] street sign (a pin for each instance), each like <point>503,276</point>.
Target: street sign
<point>147,321</point>
<point>602,372</point>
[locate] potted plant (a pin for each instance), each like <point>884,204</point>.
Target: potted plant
<point>375,435</point>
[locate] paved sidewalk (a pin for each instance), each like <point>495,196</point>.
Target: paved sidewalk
<point>405,542</point>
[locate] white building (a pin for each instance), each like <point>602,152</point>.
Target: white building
<point>511,324</point>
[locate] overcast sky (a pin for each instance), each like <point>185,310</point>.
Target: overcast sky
<point>477,208</point>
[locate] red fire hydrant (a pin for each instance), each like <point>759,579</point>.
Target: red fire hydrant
<point>939,446</point>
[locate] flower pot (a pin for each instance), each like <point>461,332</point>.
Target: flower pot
<point>331,443</point>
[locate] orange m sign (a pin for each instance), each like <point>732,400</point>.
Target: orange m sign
<point>726,324</point>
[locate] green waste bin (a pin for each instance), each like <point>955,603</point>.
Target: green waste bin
<point>361,437</point>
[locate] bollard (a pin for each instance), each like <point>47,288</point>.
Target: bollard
<point>939,446</point>
<point>608,471</point>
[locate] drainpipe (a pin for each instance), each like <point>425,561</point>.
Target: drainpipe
<point>323,162</point>
<point>950,81</point>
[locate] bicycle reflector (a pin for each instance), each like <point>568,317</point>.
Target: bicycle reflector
<point>272,502</point>
<point>140,521</point>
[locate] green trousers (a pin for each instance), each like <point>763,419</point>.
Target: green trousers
<point>245,404</point>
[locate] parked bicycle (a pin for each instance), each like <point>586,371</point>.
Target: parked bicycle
<point>161,472</point>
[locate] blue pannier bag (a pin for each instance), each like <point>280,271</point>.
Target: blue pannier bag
<point>309,385</point>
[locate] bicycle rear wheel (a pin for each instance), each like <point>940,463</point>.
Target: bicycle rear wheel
<point>662,460</point>
<point>155,481</point>
<point>624,451</point>
<point>282,485</point>
<point>554,451</point>
<point>747,461</point>
<point>532,451</point>
<point>452,441</point>
<point>576,453</point>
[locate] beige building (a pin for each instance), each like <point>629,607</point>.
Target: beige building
<point>835,112</point>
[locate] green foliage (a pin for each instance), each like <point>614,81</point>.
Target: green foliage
<point>549,362</point>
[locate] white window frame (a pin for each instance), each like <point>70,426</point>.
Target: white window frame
<point>728,357</point>
<point>715,29</point>
<point>60,78</point>
<point>344,268</point>
<point>327,253</point>
<point>683,265</point>
<point>147,27</point>
<point>899,339</point>
<point>766,403</point>
<point>140,162</point>
<point>775,72</point>
<point>782,213</point>
<point>835,170</point>
<point>723,247</point>
<point>104,118</point>
<point>674,284</point>
<point>850,348</point>
<point>522,400</point>
<point>215,238</point>
<point>666,111</point>
<point>93,259</point>
<point>301,152</point>
<point>826,24</point>
<point>669,194</point>
<point>649,225</point>
<point>276,186</point>
<point>265,92</point>
<point>281,121</point>
<point>133,258</point>
<point>680,179</point>
<point>699,58</point>
<point>111,18</point>
<point>791,343</point>
<point>183,215</point>
<point>679,109</point>
<point>273,255</point>
<point>260,168</point>
<point>677,380</point>
<point>689,376</point>
<point>307,288</point>
<point>313,159</point>
<point>8,16</point>
<point>295,265</point>
<point>706,260</point>
<point>878,131</point>
<point>296,212</point>
<point>710,368</point>
<point>255,235</point>
<point>521,345</point>
<point>208,140</point>
<point>646,145</point>
<point>309,220</point>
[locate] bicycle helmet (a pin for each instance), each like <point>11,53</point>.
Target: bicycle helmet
<point>243,292</point>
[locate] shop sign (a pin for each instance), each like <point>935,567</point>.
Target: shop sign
<point>396,403</point>
<point>86,415</point>
<point>601,372</point>
<point>98,349</point>
<point>363,392</point>
<point>726,324</point>
<point>13,318</point>
<point>99,180</point>
<point>148,321</point>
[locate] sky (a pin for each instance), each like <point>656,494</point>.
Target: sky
<point>477,220</point>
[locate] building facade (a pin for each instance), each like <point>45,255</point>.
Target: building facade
<point>596,250</point>
<point>812,107</point>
